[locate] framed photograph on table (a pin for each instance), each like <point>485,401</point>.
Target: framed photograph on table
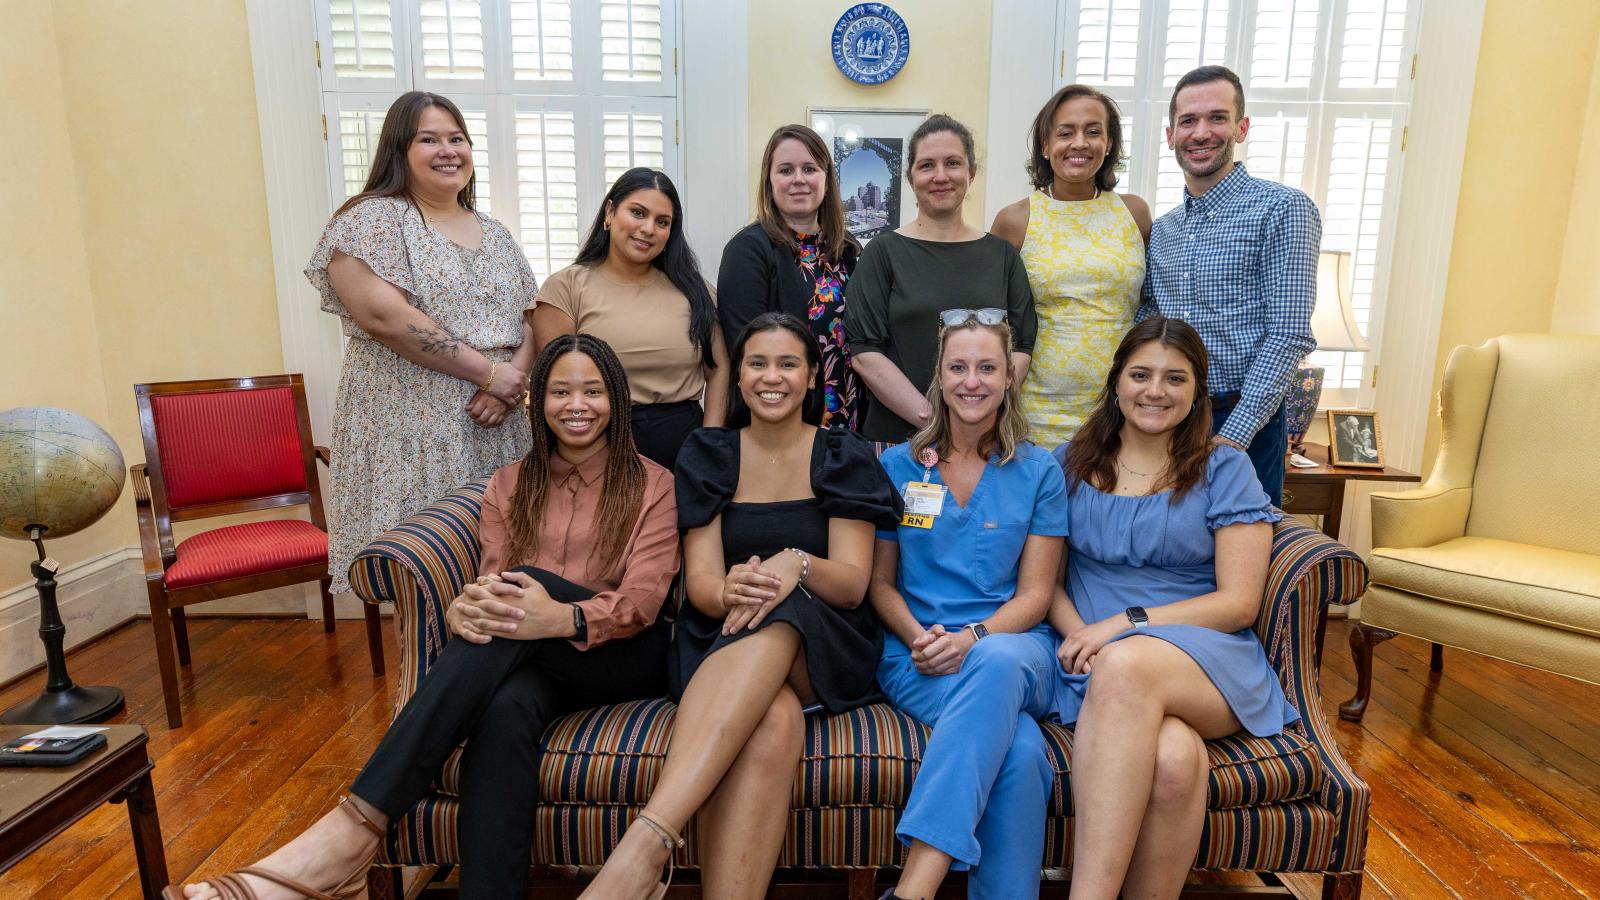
<point>1354,438</point>
<point>869,147</point>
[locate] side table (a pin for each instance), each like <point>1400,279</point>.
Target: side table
<point>36,804</point>
<point>1320,492</point>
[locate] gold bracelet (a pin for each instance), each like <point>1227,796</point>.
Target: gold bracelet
<point>490,383</point>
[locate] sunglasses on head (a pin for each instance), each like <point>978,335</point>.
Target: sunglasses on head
<point>952,318</point>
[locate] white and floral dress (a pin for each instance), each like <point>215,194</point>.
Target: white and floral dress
<point>401,434</point>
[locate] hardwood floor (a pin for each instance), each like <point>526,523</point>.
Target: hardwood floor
<point>1486,779</point>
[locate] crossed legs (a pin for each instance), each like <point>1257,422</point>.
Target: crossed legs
<point>735,745</point>
<point>1139,770</point>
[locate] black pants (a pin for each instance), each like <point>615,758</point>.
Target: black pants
<point>659,429</point>
<point>499,697</point>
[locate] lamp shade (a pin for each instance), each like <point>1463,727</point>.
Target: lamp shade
<point>1331,321</point>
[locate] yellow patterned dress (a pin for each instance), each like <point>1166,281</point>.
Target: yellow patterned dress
<point>1085,262</point>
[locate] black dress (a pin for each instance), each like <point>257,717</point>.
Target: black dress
<point>841,646</point>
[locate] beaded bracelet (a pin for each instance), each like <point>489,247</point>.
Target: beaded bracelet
<point>805,563</point>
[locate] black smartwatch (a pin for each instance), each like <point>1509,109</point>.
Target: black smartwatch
<point>1137,617</point>
<point>580,625</point>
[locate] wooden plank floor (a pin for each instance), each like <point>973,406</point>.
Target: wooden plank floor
<point>1486,780</point>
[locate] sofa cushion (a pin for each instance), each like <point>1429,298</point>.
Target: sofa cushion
<point>1558,588</point>
<point>868,757</point>
<point>1245,770</point>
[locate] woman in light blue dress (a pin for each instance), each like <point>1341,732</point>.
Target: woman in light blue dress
<point>963,586</point>
<point>1169,539</point>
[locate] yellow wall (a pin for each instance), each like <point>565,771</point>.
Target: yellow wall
<point>1577,306</point>
<point>1535,65</point>
<point>52,349</point>
<point>791,70</point>
<point>136,248</point>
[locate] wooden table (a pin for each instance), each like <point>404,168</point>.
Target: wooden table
<point>36,804</point>
<point>1320,491</point>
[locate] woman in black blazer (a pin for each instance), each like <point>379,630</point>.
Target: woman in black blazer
<point>795,258</point>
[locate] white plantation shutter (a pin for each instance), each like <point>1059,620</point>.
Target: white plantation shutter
<point>560,96</point>
<point>1107,41</point>
<point>452,39</point>
<point>541,40</point>
<point>549,219</point>
<point>1197,35</point>
<point>1374,40</point>
<point>1285,45</point>
<point>630,40</point>
<point>1327,85</point>
<point>363,41</point>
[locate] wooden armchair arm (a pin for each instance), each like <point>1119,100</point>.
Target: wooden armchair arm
<point>155,565</point>
<point>324,454</point>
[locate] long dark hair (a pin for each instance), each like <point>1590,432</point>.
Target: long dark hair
<point>811,406</point>
<point>1092,455</point>
<point>622,495</point>
<point>1040,171</point>
<point>390,173</point>
<point>830,216</point>
<point>676,260</point>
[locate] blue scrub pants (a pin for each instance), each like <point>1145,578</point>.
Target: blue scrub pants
<point>980,795</point>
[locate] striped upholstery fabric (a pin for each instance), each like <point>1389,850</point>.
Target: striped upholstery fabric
<point>248,549</point>
<point>1288,803</point>
<point>228,445</point>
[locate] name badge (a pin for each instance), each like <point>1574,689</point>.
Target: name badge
<point>925,500</point>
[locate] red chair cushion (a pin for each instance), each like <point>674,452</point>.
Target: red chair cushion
<point>251,549</point>
<point>228,445</point>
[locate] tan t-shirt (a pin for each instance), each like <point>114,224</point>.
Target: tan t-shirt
<point>647,324</point>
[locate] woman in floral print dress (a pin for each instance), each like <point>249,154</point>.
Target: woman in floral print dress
<point>431,293</point>
<point>796,258</point>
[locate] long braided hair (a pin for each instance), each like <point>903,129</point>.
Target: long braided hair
<point>622,493</point>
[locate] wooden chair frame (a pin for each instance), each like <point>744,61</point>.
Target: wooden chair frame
<point>160,550</point>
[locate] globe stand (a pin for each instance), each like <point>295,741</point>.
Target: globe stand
<point>62,703</point>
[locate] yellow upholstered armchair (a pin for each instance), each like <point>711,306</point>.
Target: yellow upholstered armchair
<point>1499,551</point>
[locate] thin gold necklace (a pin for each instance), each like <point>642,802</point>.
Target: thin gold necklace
<point>1050,191</point>
<point>1124,467</point>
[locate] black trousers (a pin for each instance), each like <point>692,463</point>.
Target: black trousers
<point>659,429</point>
<point>499,697</point>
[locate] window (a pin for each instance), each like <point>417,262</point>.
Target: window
<point>1327,84</point>
<point>560,97</point>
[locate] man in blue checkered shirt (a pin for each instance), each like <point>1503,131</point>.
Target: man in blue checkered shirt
<point>1238,261</point>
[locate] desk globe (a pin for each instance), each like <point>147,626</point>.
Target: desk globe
<point>59,473</point>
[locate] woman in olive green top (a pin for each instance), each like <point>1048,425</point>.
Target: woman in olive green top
<point>907,277</point>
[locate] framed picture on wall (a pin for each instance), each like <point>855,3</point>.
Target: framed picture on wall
<point>1354,438</point>
<point>869,148</point>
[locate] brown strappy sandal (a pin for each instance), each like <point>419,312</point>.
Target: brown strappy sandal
<point>232,885</point>
<point>669,839</point>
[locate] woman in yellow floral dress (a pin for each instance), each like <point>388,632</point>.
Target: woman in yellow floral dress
<point>1083,247</point>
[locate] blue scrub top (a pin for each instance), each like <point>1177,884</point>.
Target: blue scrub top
<point>965,567</point>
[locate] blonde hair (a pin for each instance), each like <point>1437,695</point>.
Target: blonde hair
<point>1010,425</point>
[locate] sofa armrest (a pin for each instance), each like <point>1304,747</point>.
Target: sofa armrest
<point>420,565</point>
<point>1310,571</point>
<point>1421,517</point>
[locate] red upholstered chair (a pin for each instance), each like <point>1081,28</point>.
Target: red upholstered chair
<point>216,448</point>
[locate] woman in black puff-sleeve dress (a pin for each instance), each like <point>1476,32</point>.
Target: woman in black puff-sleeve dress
<point>776,567</point>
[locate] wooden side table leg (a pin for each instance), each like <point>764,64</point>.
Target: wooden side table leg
<point>147,847</point>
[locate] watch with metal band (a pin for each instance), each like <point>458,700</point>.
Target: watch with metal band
<point>580,625</point>
<point>1137,617</point>
<point>978,629</point>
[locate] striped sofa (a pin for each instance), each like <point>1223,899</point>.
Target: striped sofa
<point>1284,804</point>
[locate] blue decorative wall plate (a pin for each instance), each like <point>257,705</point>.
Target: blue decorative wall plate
<point>870,43</point>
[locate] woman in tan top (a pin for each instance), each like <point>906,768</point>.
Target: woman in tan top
<point>591,528</point>
<point>636,285</point>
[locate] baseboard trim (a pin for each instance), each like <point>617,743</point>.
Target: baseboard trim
<point>25,593</point>
<point>90,641</point>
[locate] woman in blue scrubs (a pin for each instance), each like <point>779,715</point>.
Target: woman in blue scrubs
<point>962,587</point>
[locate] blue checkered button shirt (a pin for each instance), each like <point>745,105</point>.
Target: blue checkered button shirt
<point>1239,263</point>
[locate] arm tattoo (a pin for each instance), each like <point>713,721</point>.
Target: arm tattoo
<point>436,340</point>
